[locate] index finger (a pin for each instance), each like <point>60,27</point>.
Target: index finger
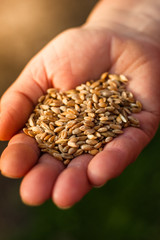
<point>19,100</point>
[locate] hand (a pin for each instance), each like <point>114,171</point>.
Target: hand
<point>76,56</point>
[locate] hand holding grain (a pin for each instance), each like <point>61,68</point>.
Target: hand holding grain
<point>76,56</point>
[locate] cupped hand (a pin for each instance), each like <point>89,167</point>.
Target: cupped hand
<point>75,56</point>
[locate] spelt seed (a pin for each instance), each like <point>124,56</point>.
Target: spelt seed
<point>70,103</point>
<point>98,145</point>
<point>64,134</point>
<point>76,131</point>
<point>44,107</point>
<point>93,151</point>
<point>71,110</point>
<point>51,139</point>
<point>109,134</point>
<point>58,129</point>
<point>95,84</point>
<point>98,135</point>
<point>135,110</point>
<point>104,118</point>
<point>139,104</point>
<point>77,125</point>
<point>43,135</point>
<point>108,139</point>
<point>102,105</point>
<point>113,76</point>
<point>72,150</point>
<point>103,129</point>
<point>91,141</point>
<point>92,137</point>
<point>123,78</point>
<point>78,152</point>
<point>66,148</point>
<point>63,108</point>
<point>73,139</point>
<point>51,132</point>
<point>70,124</point>
<point>89,131</point>
<point>88,119</point>
<point>106,93</point>
<point>133,120</point>
<point>95,98</point>
<point>56,110</point>
<point>82,138</point>
<point>72,144</point>
<point>51,146</point>
<point>70,116</point>
<point>57,155</point>
<point>104,76</point>
<point>117,131</point>
<point>89,123</point>
<point>86,147</point>
<point>105,134</point>
<point>44,126</point>
<point>66,156</point>
<point>60,148</point>
<point>61,140</point>
<point>56,103</point>
<point>83,128</point>
<point>81,142</point>
<point>25,130</point>
<point>101,110</point>
<point>123,118</point>
<point>66,162</point>
<point>51,126</point>
<point>41,99</point>
<point>31,120</point>
<point>110,108</point>
<point>115,126</point>
<point>59,123</point>
<point>77,108</point>
<point>47,137</point>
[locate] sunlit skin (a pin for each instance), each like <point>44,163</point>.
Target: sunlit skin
<point>73,57</point>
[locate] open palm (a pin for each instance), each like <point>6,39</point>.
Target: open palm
<point>76,56</point>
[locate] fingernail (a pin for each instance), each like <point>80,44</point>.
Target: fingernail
<point>64,208</point>
<point>99,186</point>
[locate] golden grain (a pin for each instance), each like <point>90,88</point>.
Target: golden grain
<point>84,119</point>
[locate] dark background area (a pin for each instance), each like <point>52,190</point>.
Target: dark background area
<point>125,208</point>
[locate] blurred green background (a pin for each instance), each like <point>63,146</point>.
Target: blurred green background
<point>125,208</point>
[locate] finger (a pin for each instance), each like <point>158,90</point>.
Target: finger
<point>75,61</point>
<point>72,184</point>
<point>123,150</point>
<point>18,101</point>
<point>36,187</point>
<point>21,155</point>
<point>116,156</point>
<point>141,67</point>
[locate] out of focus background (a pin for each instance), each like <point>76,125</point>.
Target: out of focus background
<point>125,208</point>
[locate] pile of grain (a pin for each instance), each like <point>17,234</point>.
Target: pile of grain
<point>84,119</point>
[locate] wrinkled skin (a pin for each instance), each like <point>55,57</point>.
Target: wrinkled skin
<point>75,56</point>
